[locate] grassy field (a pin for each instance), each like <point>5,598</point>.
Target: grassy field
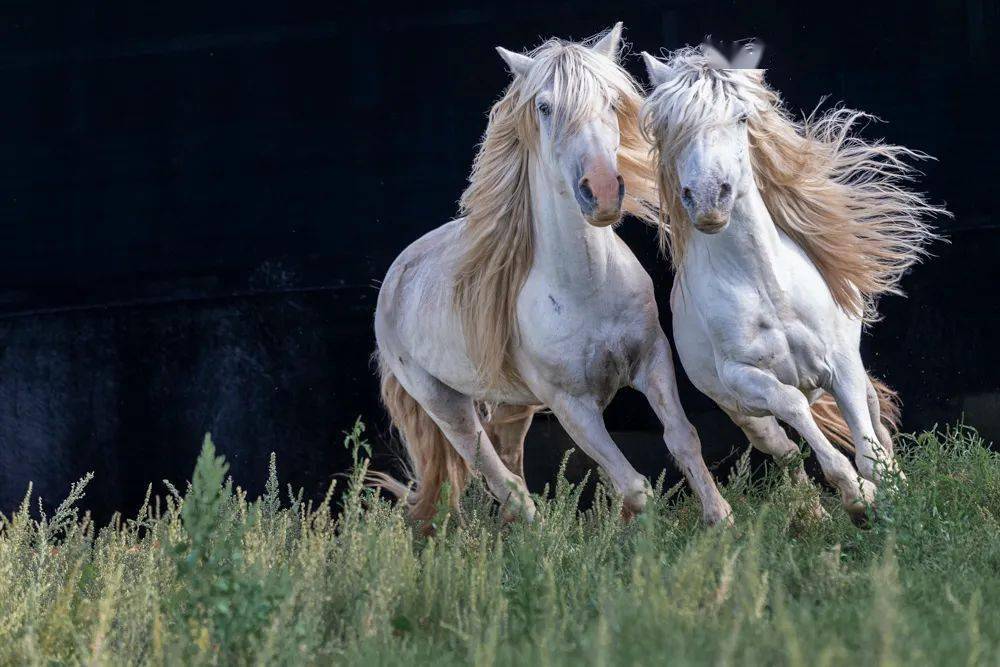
<point>210,576</point>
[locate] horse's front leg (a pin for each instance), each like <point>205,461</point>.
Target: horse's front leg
<point>582,419</point>
<point>856,399</point>
<point>759,390</point>
<point>655,379</point>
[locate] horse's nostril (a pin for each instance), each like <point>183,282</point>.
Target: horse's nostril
<point>621,189</point>
<point>724,191</point>
<point>686,195</point>
<point>585,190</point>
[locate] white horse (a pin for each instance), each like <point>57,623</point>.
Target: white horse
<point>531,299</point>
<point>783,234</point>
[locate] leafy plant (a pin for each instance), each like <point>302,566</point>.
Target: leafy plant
<point>209,576</point>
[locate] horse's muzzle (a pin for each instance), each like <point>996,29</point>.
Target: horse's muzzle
<point>600,198</point>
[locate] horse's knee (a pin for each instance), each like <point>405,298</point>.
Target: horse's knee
<point>681,438</point>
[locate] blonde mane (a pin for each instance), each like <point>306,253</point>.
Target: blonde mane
<point>498,230</point>
<point>841,198</point>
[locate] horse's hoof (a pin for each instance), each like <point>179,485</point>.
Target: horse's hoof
<point>895,477</point>
<point>515,509</point>
<point>817,512</point>
<point>635,502</point>
<point>721,516</point>
<point>863,518</point>
<point>862,509</point>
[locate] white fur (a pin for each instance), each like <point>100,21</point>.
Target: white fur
<point>755,324</point>
<point>587,319</point>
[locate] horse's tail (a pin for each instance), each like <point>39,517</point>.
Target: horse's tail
<point>432,459</point>
<point>831,422</point>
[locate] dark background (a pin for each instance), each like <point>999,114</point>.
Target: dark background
<point>198,202</point>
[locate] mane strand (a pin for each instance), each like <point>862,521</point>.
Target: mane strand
<point>841,198</point>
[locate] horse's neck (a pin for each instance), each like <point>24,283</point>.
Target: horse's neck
<point>749,248</point>
<point>569,251</point>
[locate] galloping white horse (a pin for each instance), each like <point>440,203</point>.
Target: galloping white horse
<point>783,234</point>
<point>531,299</point>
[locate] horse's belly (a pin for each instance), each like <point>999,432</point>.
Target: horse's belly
<point>440,350</point>
<point>581,351</point>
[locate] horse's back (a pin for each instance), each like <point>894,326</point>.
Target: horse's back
<point>415,318</point>
<point>419,274</point>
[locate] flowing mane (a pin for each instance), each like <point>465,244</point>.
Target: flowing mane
<point>498,230</point>
<point>841,198</point>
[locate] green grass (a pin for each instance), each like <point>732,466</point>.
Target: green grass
<point>210,576</point>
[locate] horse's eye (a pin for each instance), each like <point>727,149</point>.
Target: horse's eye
<point>544,108</point>
<point>744,117</point>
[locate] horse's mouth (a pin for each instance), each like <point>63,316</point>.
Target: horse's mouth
<point>712,222</point>
<point>604,220</point>
<point>711,228</point>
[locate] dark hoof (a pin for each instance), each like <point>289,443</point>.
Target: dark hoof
<point>864,518</point>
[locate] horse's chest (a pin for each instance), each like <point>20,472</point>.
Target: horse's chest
<point>586,353</point>
<point>759,332</point>
<point>787,349</point>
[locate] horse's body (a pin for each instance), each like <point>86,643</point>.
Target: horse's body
<point>758,332</point>
<point>764,306</point>
<point>757,324</point>
<point>585,316</point>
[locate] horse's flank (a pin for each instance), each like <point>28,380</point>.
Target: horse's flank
<point>498,231</point>
<point>838,196</point>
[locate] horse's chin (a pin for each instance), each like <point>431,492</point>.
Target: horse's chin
<point>711,229</point>
<point>605,220</point>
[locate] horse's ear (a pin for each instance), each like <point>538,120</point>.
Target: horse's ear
<point>657,71</point>
<point>608,45</point>
<point>518,63</point>
<point>749,55</point>
<point>714,59</point>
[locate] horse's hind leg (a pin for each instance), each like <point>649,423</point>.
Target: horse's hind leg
<point>767,436</point>
<point>851,389</point>
<point>875,409</point>
<point>507,428</point>
<point>457,417</point>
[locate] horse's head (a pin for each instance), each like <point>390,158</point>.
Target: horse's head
<point>571,96</point>
<point>699,120</point>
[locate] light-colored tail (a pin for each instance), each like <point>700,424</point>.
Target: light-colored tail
<point>831,422</point>
<point>432,459</point>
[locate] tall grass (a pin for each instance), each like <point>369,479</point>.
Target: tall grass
<point>209,576</point>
